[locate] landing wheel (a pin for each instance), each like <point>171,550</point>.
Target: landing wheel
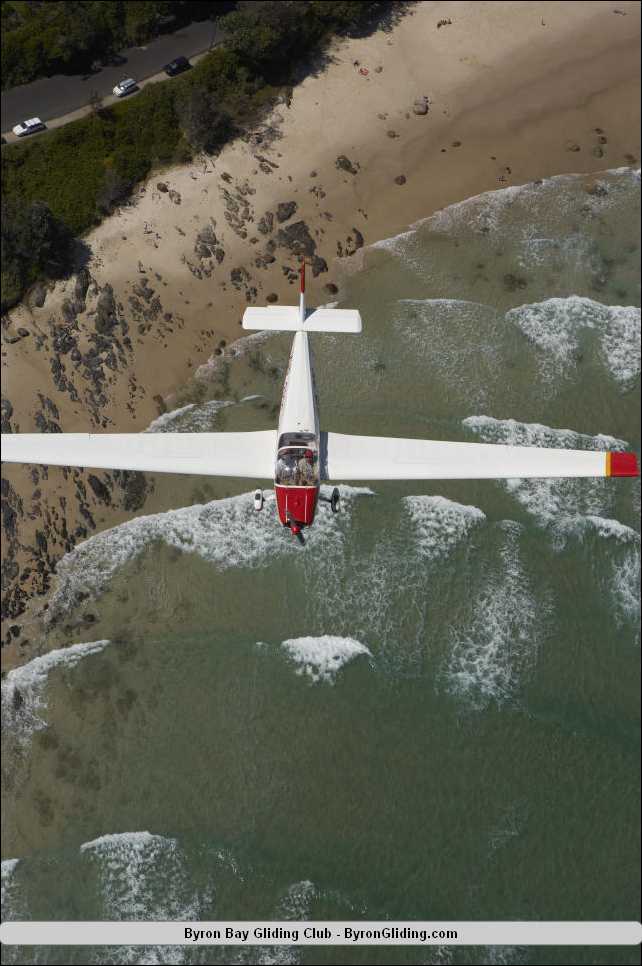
<point>334,500</point>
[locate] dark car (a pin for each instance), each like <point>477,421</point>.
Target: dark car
<point>177,66</point>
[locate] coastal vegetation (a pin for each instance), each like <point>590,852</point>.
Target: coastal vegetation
<point>42,39</point>
<point>81,170</point>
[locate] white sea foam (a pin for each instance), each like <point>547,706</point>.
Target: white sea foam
<point>322,657</point>
<point>439,525</point>
<point>24,688</point>
<point>448,337</point>
<point>555,327</point>
<point>143,876</point>
<point>9,910</point>
<point>226,533</point>
<point>294,905</point>
<point>236,350</point>
<point>623,584</point>
<point>554,503</point>
<point>297,901</point>
<point>513,433</point>
<point>489,656</point>
<point>159,424</point>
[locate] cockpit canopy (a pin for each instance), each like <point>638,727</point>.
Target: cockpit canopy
<point>297,461</point>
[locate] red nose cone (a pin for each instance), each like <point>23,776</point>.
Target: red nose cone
<point>295,529</point>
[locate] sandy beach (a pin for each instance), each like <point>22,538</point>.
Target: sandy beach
<point>513,91</point>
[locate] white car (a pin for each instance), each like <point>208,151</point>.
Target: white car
<point>125,87</point>
<point>28,127</point>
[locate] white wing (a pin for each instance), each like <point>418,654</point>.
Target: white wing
<point>208,454</point>
<point>381,458</point>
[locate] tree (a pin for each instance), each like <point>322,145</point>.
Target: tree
<point>34,243</point>
<point>204,124</point>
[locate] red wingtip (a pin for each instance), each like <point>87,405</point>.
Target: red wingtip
<point>302,275</point>
<point>623,464</point>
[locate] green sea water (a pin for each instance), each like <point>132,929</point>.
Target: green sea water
<point>428,711</point>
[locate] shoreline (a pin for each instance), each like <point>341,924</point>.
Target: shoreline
<point>510,101</point>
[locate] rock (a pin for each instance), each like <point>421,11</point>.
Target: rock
<point>83,280</point>
<point>106,311</point>
<point>285,210</point>
<point>99,488</point>
<point>392,134</point>
<point>38,295</point>
<point>161,186</point>
<point>63,340</point>
<point>345,164</point>
<point>573,146</point>
<point>7,413</point>
<point>68,310</point>
<point>421,105</point>
<point>160,402</point>
<point>297,239</point>
<point>175,196</point>
<point>272,297</point>
<point>400,179</point>
<point>597,151</point>
<point>319,265</point>
<point>134,486</point>
<point>513,282</point>
<point>23,333</point>
<point>331,288</point>
<point>266,223</point>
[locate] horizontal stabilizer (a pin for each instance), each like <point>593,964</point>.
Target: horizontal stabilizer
<point>287,318</point>
<point>333,320</point>
<point>381,458</point>
<point>282,318</point>
<point>249,455</point>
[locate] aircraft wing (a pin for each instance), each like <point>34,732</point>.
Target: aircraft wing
<point>383,458</point>
<point>249,455</point>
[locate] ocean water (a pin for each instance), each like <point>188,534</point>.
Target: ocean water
<point>428,711</point>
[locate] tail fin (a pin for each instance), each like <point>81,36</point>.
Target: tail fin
<point>289,318</point>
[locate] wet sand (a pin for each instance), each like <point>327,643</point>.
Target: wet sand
<point>513,91</point>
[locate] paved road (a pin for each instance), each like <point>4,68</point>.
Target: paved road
<point>54,97</point>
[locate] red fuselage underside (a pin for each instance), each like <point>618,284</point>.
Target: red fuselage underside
<point>296,504</point>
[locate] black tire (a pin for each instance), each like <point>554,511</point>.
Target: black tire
<point>334,500</point>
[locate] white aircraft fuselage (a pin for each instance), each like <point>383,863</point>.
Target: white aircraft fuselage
<point>296,475</point>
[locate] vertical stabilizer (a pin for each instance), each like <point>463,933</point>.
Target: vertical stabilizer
<point>302,293</point>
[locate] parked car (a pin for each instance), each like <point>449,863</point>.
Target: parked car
<point>125,87</point>
<point>28,127</point>
<point>177,66</point>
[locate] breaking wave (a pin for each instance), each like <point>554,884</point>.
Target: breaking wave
<point>489,656</point>
<point>209,530</point>
<point>24,688</point>
<point>321,658</point>
<point>439,525</point>
<point>556,325</point>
